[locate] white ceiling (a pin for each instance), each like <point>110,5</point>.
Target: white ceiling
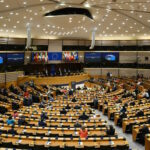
<point>123,19</point>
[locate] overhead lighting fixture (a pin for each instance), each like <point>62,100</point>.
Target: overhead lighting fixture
<point>69,11</point>
<point>62,4</point>
<point>87,5</point>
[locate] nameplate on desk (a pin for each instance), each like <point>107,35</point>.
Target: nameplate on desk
<point>81,143</point>
<point>111,143</point>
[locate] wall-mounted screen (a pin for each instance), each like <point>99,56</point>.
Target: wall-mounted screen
<point>92,57</point>
<point>54,56</point>
<point>2,58</point>
<point>15,58</point>
<point>40,57</point>
<point>110,57</point>
<point>70,56</point>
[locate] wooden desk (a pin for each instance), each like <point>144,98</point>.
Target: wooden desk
<point>147,142</point>
<point>53,80</point>
<point>61,142</point>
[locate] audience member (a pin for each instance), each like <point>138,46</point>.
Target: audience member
<point>83,116</point>
<point>68,107</point>
<point>12,130</point>
<point>83,132</point>
<point>77,124</point>
<point>74,99</point>
<point>10,121</point>
<point>44,115</point>
<point>95,102</point>
<point>110,131</point>
<point>21,120</point>
<point>15,114</point>
<point>77,107</point>
<point>140,113</point>
<point>42,123</point>
<point>63,111</point>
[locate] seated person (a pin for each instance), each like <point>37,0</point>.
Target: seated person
<point>44,115</point>
<point>42,123</point>
<point>70,92</point>
<point>140,113</point>
<point>143,131</point>
<point>148,120</point>
<point>123,109</point>
<point>42,105</point>
<point>68,107</point>
<point>63,111</point>
<point>84,88</point>
<point>74,99</point>
<point>77,124</point>
<point>51,99</point>
<point>10,121</point>
<point>15,106</point>
<point>78,88</point>
<point>132,103</point>
<point>21,120</point>
<point>77,107</point>
<point>83,132</point>
<point>15,114</point>
<point>83,116</point>
<point>95,102</point>
<point>110,131</point>
<point>12,130</point>
<point>119,101</point>
<point>105,102</point>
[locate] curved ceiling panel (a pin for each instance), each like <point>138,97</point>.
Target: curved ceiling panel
<point>114,19</point>
<point>70,11</point>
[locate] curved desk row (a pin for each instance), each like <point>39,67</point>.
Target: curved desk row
<point>64,80</point>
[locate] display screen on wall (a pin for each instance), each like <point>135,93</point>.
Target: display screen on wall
<point>15,58</point>
<point>40,57</point>
<point>92,57</point>
<point>70,56</point>
<point>110,57</point>
<point>2,58</point>
<point>55,56</point>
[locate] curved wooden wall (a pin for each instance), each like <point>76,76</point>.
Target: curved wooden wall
<point>53,80</point>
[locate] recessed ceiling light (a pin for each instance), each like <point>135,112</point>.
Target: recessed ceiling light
<point>87,5</point>
<point>62,4</point>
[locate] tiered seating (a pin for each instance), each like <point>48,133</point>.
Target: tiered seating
<point>60,132</point>
<point>130,122</point>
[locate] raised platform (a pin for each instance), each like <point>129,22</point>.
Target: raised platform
<point>64,80</point>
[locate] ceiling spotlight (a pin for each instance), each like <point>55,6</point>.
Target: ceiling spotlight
<point>62,4</point>
<point>87,5</point>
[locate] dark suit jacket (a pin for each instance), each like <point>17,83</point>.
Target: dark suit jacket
<point>63,112</point>
<point>83,117</point>
<point>77,125</point>
<point>74,100</point>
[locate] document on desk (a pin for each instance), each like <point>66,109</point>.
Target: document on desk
<point>23,131</point>
<point>48,143</point>
<point>19,141</point>
<point>49,132</point>
<point>111,143</point>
